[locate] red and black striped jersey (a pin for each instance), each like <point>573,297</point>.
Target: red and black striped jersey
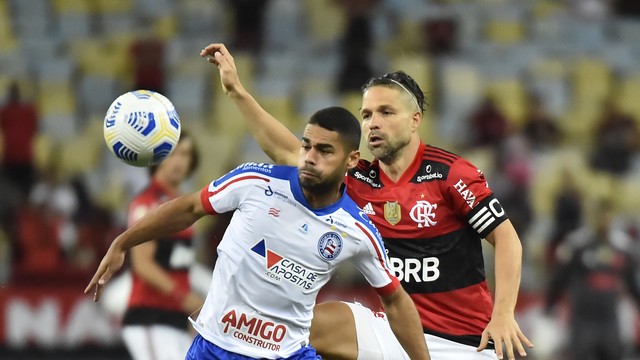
<point>432,221</point>
<point>173,253</point>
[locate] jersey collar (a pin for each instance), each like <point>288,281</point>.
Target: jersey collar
<point>296,190</point>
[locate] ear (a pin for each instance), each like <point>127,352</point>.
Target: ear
<point>353,158</point>
<point>416,120</point>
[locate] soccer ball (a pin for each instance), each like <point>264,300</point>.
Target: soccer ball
<point>141,128</point>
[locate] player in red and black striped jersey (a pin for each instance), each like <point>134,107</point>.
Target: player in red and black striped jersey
<point>155,323</point>
<point>432,209</point>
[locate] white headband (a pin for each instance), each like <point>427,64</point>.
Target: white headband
<point>408,92</point>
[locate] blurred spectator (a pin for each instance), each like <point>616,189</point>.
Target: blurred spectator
<point>356,45</point>
<point>627,8</point>
<point>248,24</point>
<point>489,126</point>
<point>567,213</point>
<point>147,57</point>
<point>539,128</point>
<point>18,126</point>
<point>593,265</point>
<point>441,34</point>
<point>512,183</point>
<point>616,140</point>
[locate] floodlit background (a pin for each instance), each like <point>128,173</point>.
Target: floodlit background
<point>542,95</point>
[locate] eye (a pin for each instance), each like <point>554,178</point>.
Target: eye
<point>387,112</point>
<point>366,116</point>
<point>306,146</point>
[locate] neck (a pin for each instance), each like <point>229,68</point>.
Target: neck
<point>166,183</point>
<point>396,167</point>
<point>320,200</point>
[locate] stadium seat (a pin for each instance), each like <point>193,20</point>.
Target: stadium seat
<point>96,93</point>
<point>56,98</point>
<point>626,95</point>
<point>353,102</point>
<point>42,149</point>
<point>7,40</point>
<point>507,32</point>
<point>510,97</point>
<point>80,154</point>
<point>120,7</point>
<point>577,124</point>
<point>591,79</point>
<point>417,65</point>
<point>325,20</point>
<point>627,194</point>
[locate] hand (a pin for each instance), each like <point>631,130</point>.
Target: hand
<point>218,55</point>
<point>504,329</point>
<point>110,264</point>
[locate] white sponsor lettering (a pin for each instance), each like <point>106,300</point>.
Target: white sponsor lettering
<point>466,194</point>
<point>422,178</point>
<point>415,270</point>
<point>368,180</point>
<point>45,325</point>
<point>181,256</point>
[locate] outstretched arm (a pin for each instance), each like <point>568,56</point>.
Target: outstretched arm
<point>280,144</point>
<point>503,326</point>
<point>166,219</point>
<point>405,323</point>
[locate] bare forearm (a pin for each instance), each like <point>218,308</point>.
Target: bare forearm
<point>166,219</point>
<point>508,267</point>
<point>405,323</point>
<point>278,142</point>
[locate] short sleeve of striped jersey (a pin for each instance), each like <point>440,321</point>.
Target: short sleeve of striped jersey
<point>471,197</point>
<point>228,192</point>
<point>372,262</point>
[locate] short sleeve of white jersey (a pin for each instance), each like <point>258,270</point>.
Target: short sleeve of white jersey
<point>227,193</point>
<point>372,261</point>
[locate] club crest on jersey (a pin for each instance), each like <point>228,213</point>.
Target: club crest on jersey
<point>423,213</point>
<point>330,245</point>
<point>392,212</point>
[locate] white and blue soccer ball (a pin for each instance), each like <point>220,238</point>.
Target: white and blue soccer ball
<point>141,128</point>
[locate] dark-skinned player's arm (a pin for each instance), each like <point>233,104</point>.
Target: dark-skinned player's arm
<point>278,142</point>
<point>405,323</point>
<point>168,218</point>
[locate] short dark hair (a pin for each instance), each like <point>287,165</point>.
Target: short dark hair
<point>402,78</point>
<point>195,154</point>
<point>342,121</point>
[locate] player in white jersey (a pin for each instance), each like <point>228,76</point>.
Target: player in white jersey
<point>292,227</point>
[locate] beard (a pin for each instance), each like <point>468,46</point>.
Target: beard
<point>389,151</point>
<point>319,185</point>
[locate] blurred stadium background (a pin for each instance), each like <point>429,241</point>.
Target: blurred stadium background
<point>542,95</point>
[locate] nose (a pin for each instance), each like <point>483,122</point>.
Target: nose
<point>374,123</point>
<point>310,157</point>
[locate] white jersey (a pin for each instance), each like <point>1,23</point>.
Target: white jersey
<point>275,256</point>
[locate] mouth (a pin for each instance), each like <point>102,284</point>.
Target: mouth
<point>375,140</point>
<point>308,174</point>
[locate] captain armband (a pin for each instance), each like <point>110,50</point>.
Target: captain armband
<point>486,216</point>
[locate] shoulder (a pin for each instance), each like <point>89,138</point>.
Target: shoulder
<point>435,165</point>
<point>258,171</point>
<point>366,173</point>
<point>361,219</point>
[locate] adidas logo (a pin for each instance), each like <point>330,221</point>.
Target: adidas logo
<point>368,209</point>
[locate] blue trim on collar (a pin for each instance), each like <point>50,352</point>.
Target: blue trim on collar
<point>296,190</point>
